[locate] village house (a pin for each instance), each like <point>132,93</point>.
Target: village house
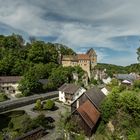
<point>9,84</point>
<point>86,109</point>
<point>86,61</point>
<point>70,92</point>
<point>95,95</point>
<point>86,117</point>
<point>127,79</point>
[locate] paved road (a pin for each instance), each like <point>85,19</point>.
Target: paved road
<point>8,105</point>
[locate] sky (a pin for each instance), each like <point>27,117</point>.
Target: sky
<point>111,27</point>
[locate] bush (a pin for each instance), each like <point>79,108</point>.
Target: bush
<point>94,81</point>
<point>39,120</point>
<point>3,97</point>
<point>19,95</point>
<point>38,105</point>
<point>49,104</point>
<point>137,84</point>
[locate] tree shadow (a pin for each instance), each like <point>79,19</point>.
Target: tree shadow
<point>4,119</point>
<point>55,108</point>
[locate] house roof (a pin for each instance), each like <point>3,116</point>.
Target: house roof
<point>89,113</point>
<point>91,51</point>
<point>69,58</point>
<point>69,88</point>
<point>126,82</point>
<point>95,95</point>
<point>129,77</point>
<point>75,57</point>
<point>83,57</point>
<point>10,79</point>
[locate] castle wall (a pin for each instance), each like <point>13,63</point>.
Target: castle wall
<point>85,65</point>
<point>86,61</point>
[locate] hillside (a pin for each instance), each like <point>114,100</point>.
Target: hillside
<point>114,69</point>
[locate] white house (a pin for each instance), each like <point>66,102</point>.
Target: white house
<point>9,84</point>
<point>105,91</point>
<point>107,80</point>
<point>70,92</point>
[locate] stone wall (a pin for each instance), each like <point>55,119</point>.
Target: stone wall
<point>8,105</point>
<point>32,135</point>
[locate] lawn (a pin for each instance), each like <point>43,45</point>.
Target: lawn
<point>16,123</point>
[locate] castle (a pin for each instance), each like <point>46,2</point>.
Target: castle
<point>86,61</point>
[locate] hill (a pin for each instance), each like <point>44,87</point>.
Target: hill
<point>115,69</point>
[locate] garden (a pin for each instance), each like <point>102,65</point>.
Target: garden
<point>16,123</point>
<point>48,105</point>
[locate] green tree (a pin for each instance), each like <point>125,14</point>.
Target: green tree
<point>64,50</point>
<point>80,136</point>
<point>50,86</point>
<point>38,105</point>
<point>131,105</point>
<point>29,84</point>
<point>136,84</point>
<point>36,52</point>
<point>109,106</point>
<point>49,104</point>
<point>60,75</point>
<point>12,41</point>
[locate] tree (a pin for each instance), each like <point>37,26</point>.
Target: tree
<point>64,50</point>
<point>36,52</point>
<point>59,76</point>
<point>50,86</point>
<point>12,41</point>
<point>136,84</point>
<point>65,127</point>
<point>138,53</point>
<point>80,136</point>
<point>38,105</point>
<point>131,105</point>
<point>49,104</point>
<point>29,84</point>
<point>109,106</point>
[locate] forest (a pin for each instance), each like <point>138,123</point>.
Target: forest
<point>34,60</point>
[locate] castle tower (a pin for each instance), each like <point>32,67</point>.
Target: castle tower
<point>93,57</point>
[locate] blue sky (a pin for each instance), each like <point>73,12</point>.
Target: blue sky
<point>112,28</point>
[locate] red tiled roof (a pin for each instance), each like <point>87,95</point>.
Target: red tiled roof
<point>89,113</point>
<point>83,57</point>
<point>10,79</point>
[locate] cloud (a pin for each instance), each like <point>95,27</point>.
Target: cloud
<point>78,24</point>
